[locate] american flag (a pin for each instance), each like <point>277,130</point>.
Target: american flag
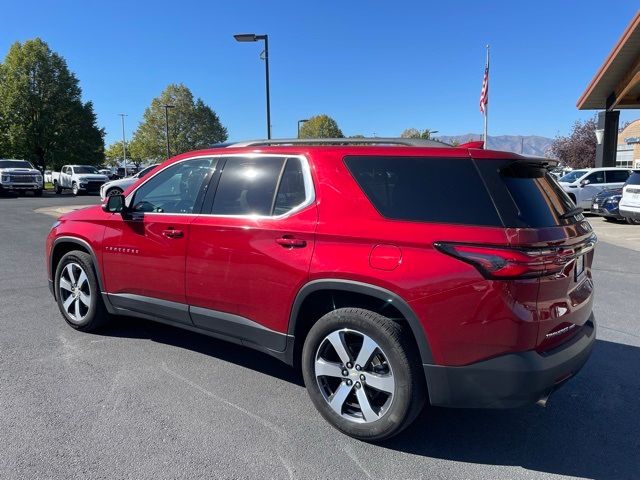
<point>484,93</point>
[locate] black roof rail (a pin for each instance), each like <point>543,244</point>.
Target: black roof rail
<point>406,142</point>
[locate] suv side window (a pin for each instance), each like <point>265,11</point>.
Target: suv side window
<point>291,191</point>
<point>176,189</point>
<point>248,186</point>
<point>617,176</point>
<point>596,177</point>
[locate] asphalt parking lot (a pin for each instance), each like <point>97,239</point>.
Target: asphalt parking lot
<point>143,400</point>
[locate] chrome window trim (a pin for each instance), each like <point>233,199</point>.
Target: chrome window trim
<point>309,189</point>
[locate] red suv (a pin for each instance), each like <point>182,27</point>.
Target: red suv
<point>391,274</point>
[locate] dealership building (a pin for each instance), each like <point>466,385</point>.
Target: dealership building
<point>628,149</point>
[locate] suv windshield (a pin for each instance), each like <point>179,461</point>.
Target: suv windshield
<point>573,176</point>
<point>15,164</point>
<point>84,169</point>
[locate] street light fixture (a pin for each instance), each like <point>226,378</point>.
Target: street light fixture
<point>252,37</point>
<point>299,122</point>
<point>166,126</point>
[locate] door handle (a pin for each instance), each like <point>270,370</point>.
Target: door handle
<point>290,242</point>
<point>171,233</point>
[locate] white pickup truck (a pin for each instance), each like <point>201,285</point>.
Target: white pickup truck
<point>78,178</point>
<point>20,176</point>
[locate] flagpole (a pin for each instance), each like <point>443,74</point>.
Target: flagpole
<point>486,107</point>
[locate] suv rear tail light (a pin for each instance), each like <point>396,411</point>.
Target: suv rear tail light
<point>503,263</point>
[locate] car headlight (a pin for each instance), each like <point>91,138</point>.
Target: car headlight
<point>38,178</point>
<point>5,178</point>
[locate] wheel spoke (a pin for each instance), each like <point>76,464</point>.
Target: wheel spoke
<point>77,309</point>
<point>67,303</point>
<point>367,412</point>
<point>82,278</point>
<point>86,299</point>
<point>384,383</point>
<point>368,347</point>
<point>337,340</point>
<point>72,277</point>
<point>65,284</point>
<point>327,369</point>
<point>338,398</point>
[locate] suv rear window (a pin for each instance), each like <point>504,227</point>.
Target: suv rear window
<point>526,194</point>
<point>634,179</point>
<point>446,190</point>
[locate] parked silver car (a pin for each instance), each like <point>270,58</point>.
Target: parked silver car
<point>116,187</point>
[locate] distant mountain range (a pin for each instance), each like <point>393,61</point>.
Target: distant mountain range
<point>530,144</point>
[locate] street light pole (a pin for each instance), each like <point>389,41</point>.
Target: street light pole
<point>299,122</point>
<point>166,126</point>
<point>124,144</point>
<point>252,37</point>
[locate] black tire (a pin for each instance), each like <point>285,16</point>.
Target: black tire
<point>611,219</point>
<point>96,315</point>
<point>57,188</point>
<point>114,191</point>
<point>37,193</point>
<point>75,189</point>
<point>396,345</point>
<point>632,221</point>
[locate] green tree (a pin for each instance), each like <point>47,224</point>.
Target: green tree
<point>320,126</point>
<point>425,134</point>
<point>192,125</point>
<point>114,155</point>
<point>42,116</point>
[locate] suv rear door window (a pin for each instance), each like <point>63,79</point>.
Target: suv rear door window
<point>634,179</point>
<point>247,186</point>
<point>617,176</point>
<point>446,190</point>
<point>596,177</point>
<point>291,191</point>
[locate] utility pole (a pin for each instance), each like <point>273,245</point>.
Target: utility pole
<point>166,126</point>
<point>124,144</point>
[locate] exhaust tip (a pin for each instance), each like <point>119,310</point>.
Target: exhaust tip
<point>542,402</point>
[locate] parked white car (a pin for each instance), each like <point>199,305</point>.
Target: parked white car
<point>19,176</point>
<point>584,184</point>
<point>78,178</point>
<point>116,187</point>
<point>629,206</point>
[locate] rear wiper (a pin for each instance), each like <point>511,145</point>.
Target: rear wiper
<point>572,212</point>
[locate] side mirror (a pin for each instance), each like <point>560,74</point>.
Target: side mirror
<point>114,204</point>
<point>585,182</point>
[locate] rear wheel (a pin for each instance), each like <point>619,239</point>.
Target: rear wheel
<point>611,219</point>
<point>632,221</point>
<point>57,188</point>
<point>363,373</point>
<point>77,292</point>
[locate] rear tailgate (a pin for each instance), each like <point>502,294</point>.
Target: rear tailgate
<point>538,215</point>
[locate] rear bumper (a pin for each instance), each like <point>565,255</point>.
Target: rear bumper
<point>605,212</point>
<point>628,213</point>
<point>511,380</point>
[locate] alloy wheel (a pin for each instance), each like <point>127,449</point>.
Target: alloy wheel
<point>75,292</point>
<point>354,376</point>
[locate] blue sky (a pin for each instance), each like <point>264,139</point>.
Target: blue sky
<point>375,66</point>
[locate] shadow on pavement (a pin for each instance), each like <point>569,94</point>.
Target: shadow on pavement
<point>590,427</point>
<point>127,327</point>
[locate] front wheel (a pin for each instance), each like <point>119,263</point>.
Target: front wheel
<point>363,373</point>
<point>75,189</point>
<point>78,293</point>
<point>37,193</point>
<point>114,191</point>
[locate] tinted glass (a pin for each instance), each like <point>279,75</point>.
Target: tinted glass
<point>145,171</point>
<point>425,189</point>
<point>15,164</point>
<point>617,176</point>
<point>247,186</point>
<point>526,194</point>
<point>596,177</point>
<point>85,169</point>
<point>291,192</point>
<point>634,179</point>
<point>176,189</point>
<point>573,176</point>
